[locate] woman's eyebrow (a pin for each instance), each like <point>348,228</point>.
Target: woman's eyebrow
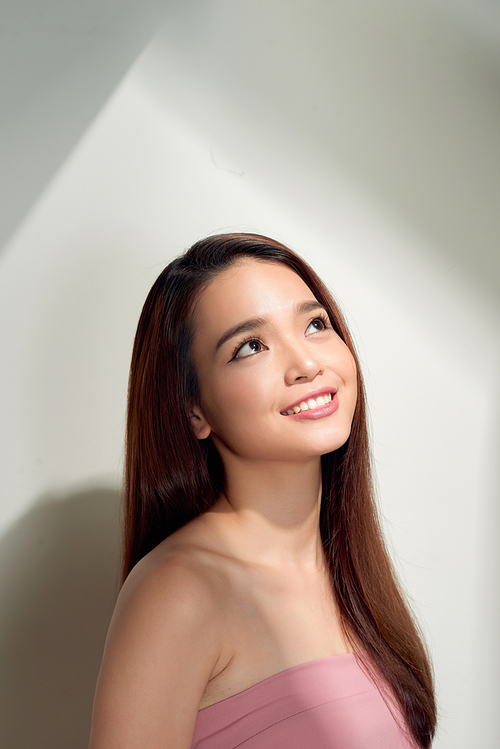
<point>244,327</point>
<point>304,307</point>
<point>258,322</point>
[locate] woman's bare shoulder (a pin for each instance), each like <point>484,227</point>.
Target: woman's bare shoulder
<point>165,641</point>
<point>197,548</point>
<point>179,561</point>
<point>165,594</point>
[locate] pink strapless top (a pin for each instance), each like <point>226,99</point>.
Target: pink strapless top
<point>328,703</point>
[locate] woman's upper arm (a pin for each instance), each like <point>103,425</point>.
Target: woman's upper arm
<point>163,642</point>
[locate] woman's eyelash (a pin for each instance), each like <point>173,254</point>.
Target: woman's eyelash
<point>243,343</point>
<point>324,319</point>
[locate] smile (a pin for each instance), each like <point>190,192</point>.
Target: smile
<point>310,404</point>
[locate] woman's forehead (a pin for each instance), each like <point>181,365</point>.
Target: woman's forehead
<point>253,283</point>
<point>249,289</point>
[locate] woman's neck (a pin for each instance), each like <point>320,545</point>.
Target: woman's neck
<point>269,513</point>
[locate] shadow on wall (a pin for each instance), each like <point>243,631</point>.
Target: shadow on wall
<point>58,68</point>
<point>58,584</point>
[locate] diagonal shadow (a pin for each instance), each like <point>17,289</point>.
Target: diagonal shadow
<point>58,584</point>
<point>58,67</point>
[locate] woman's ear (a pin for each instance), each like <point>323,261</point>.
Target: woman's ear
<point>199,423</point>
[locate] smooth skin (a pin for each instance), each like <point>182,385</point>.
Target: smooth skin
<point>242,591</point>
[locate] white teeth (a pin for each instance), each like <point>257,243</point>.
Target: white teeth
<point>312,403</point>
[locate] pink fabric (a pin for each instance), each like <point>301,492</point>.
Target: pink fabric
<point>328,703</point>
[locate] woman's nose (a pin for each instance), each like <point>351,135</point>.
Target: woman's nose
<point>301,365</point>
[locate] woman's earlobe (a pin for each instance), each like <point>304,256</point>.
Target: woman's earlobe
<point>199,423</point>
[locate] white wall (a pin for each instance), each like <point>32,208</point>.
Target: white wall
<point>366,136</point>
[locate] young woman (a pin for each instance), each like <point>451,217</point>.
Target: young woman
<point>259,607</point>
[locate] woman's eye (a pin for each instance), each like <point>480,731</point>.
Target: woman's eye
<point>248,348</point>
<point>316,325</point>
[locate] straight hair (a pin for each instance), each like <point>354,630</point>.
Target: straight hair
<point>171,477</point>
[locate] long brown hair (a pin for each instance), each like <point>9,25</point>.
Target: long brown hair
<point>171,476</point>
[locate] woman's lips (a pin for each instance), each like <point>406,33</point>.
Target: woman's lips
<point>318,412</point>
<point>314,405</point>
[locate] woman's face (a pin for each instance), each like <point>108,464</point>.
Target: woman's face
<point>263,348</point>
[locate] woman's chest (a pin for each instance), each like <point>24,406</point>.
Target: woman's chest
<point>274,623</point>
